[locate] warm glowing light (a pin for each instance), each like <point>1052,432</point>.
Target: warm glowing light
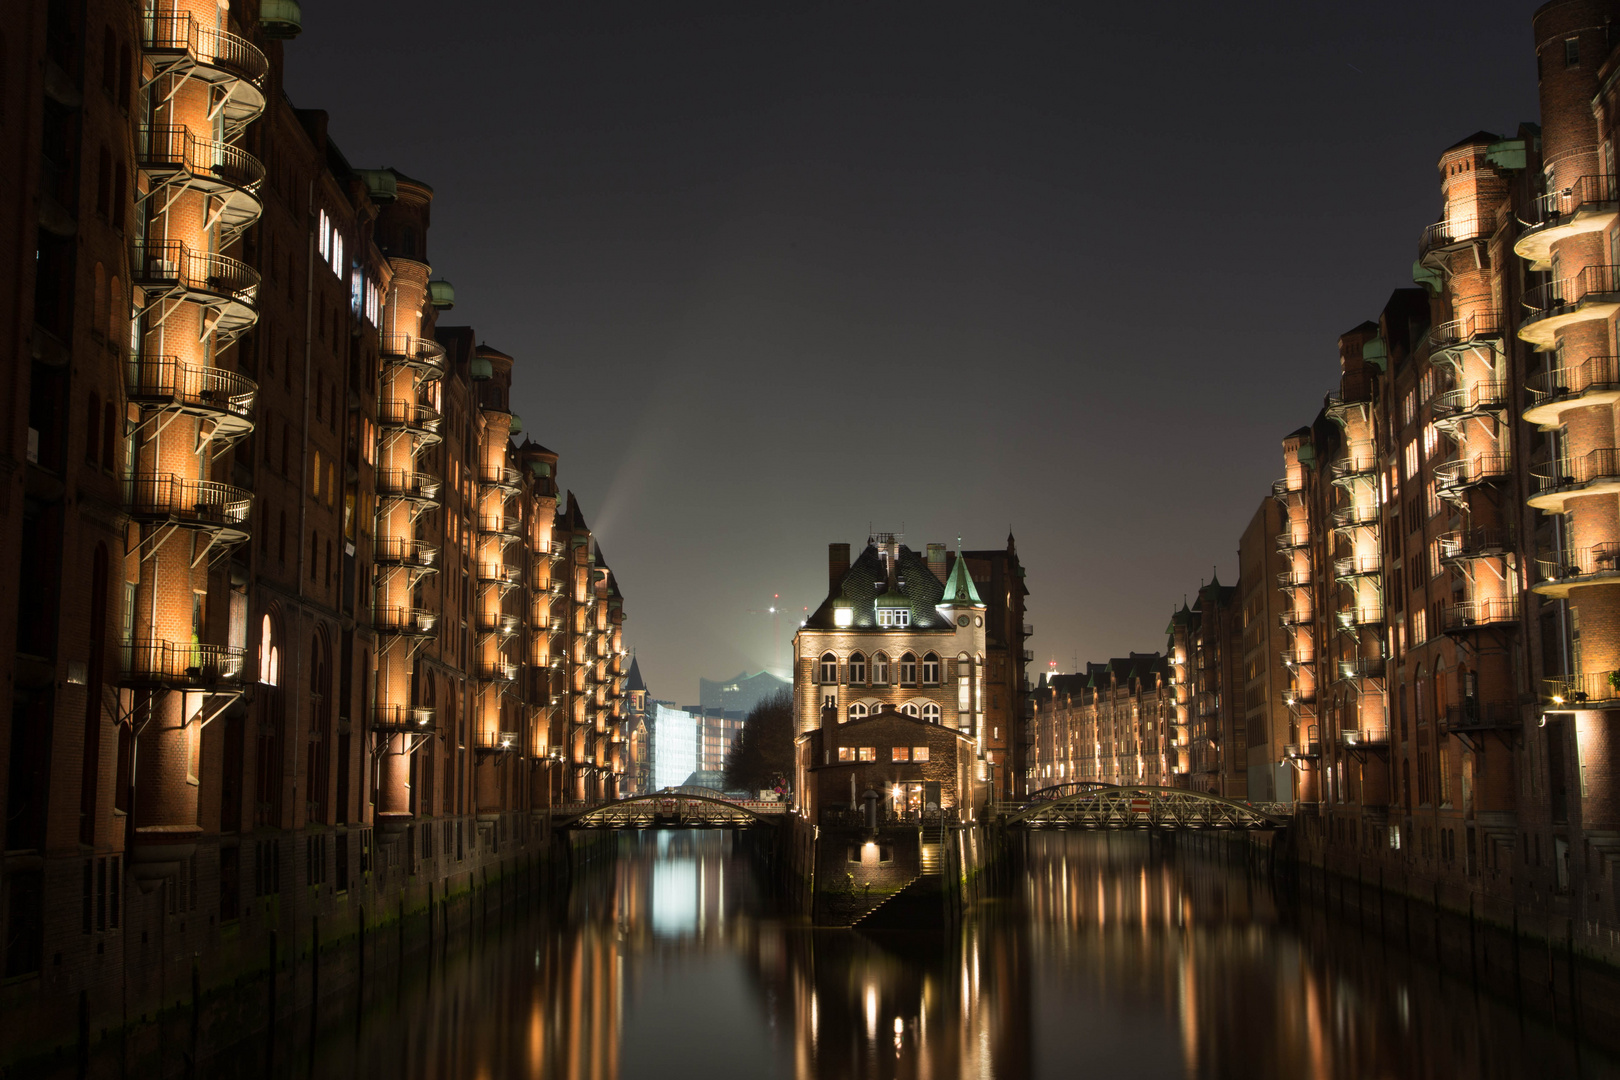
<point>844,616</point>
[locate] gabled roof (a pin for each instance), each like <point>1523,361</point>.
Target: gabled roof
<point>867,579</point>
<point>635,682</point>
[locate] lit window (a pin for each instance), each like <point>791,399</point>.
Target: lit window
<point>931,669</point>
<point>857,668</point>
<point>930,713</point>
<point>880,669</point>
<point>908,670</point>
<point>894,616</point>
<point>829,668</point>
<point>919,753</point>
<point>846,753</point>
<point>900,753</point>
<point>269,657</point>
<point>866,753</point>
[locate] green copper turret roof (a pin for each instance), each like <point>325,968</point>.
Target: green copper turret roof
<point>959,586</point>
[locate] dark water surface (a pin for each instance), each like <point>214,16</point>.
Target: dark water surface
<point>671,961</point>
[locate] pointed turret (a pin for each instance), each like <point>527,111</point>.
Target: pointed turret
<point>959,590</point>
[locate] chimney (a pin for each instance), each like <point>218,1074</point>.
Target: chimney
<point>829,724</point>
<point>936,560</point>
<point>837,566</point>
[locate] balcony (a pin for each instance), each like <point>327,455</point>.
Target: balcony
<point>1482,716</point>
<point>169,269</point>
<point>1597,565</point>
<point>180,46</point>
<point>1444,236</point>
<point>497,669</point>
<point>165,498</point>
<point>497,742</point>
<point>1552,393</point>
<point>1353,619</point>
<point>402,719</point>
<point>1354,469</point>
<point>1594,473</point>
<point>1594,293</point>
<point>1309,750</point>
<point>421,422</point>
<point>1288,580</point>
<point>502,525</point>
<point>1354,395</point>
<point>498,623</point>
<point>182,665</point>
<point>1361,667</point>
<point>500,476</point>
<point>1460,334</point>
<point>1481,399</point>
<point>406,622</point>
<point>1350,518</point>
<point>1292,540</point>
<point>410,554</point>
<point>1455,477</point>
<point>1294,659</point>
<point>1295,617</point>
<point>1471,615</point>
<point>417,487</point>
<point>499,573</point>
<point>1358,566</point>
<point>1288,492</point>
<point>1587,205</point>
<point>1591,690</point>
<point>215,394</point>
<point>422,355</point>
<point>1376,738</point>
<point>228,174</point>
<point>1465,546</point>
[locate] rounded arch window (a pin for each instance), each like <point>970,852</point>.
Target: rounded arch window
<point>908,669</point>
<point>909,708</point>
<point>930,712</point>
<point>269,653</point>
<point>930,669</point>
<point>857,667</point>
<point>857,711</point>
<point>880,669</point>
<point>829,668</point>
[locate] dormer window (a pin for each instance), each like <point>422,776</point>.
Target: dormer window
<point>894,617</point>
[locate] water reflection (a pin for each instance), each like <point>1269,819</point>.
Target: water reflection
<point>669,961</point>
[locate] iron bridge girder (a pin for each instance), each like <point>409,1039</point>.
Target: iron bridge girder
<point>1147,808</point>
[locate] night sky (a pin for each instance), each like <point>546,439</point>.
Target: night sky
<point>776,274</point>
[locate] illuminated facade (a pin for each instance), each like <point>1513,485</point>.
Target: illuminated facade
<point>300,627</point>
<point>1114,723</point>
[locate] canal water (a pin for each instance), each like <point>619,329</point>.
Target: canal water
<point>671,959</point>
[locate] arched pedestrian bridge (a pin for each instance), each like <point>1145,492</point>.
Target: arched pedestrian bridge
<point>675,809</point>
<point>1100,806</point>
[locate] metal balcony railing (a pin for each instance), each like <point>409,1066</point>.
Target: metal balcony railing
<point>396,551</point>
<point>1600,374</point>
<point>1482,716</point>
<point>397,718</point>
<point>1293,579</point>
<point>180,33</point>
<point>405,621</point>
<point>1376,737</point>
<point>496,573</point>
<point>1588,690</point>
<point>1362,667</point>
<point>1293,658</point>
<point>1358,566</point>
<point>1309,749</point>
<point>182,664</point>
<point>1574,473</point>
<point>169,264</point>
<point>408,416</point>
<point>165,381</point>
<point>167,149</point>
<point>1458,333</point>
<point>1294,617</point>
<point>1465,472</point>
<point>501,476</point>
<point>498,622</point>
<point>498,669</point>
<point>1555,296</point>
<point>1481,397</point>
<point>500,524</point>
<point>423,354</point>
<point>1597,560</point>
<point>1475,614</point>
<point>1554,207</point>
<point>1363,615</point>
<point>1474,544</point>
<point>1355,517</point>
<point>400,484</point>
<point>1447,234</point>
<point>1290,540</point>
<point>200,503</point>
<point>1353,466</point>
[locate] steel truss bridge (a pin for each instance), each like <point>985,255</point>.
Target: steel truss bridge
<point>1100,806</point>
<point>675,810</point>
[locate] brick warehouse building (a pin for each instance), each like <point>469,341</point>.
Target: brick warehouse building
<point>304,626</point>
<point>1447,541</point>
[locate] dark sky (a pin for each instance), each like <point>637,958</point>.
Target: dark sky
<point>776,273</point>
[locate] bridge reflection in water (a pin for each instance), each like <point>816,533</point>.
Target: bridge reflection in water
<point>669,961</point>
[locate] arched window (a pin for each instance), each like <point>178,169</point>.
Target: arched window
<point>964,683</point>
<point>857,669</point>
<point>930,670</point>
<point>909,708</point>
<point>908,669</point>
<point>269,654</point>
<point>857,711</point>
<point>930,713</point>
<point>829,669</point>
<point>880,669</point>
<point>92,429</point>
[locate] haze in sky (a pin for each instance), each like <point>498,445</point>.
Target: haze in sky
<point>776,275</point>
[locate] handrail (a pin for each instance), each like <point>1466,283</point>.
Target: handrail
<point>400,483</point>
<point>162,262</point>
<point>204,502</point>
<point>497,622</point>
<point>1598,373</point>
<point>1358,565</point>
<point>500,476</point>
<point>500,573</point>
<point>1576,691</point>
<point>1359,615</point>
<point>396,619</point>
<point>1474,543</point>
<point>402,717</point>
<point>154,378</point>
<point>1561,203</point>
<point>215,48</point>
<point>187,662</point>
<point>1466,614</point>
<point>1362,667</point>
<point>1549,297</point>
<point>1459,332</point>
<point>498,669</point>
<point>396,412</point>
<point>1600,464</point>
<point>500,524</point>
<point>1463,471</point>
<point>405,552</point>
<point>1446,233</point>
<point>1350,517</point>
<point>1482,396</point>
<point>1582,562</point>
<point>177,147</point>
<point>410,349</point>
